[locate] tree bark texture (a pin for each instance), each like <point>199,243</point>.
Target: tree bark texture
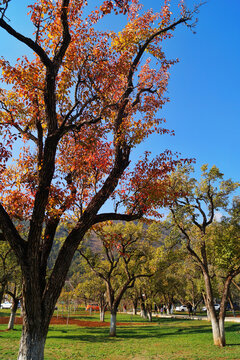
<point>1,295</point>
<point>222,331</point>
<point>143,309</point>
<point>102,315</point>
<point>149,315</point>
<point>11,320</point>
<point>135,304</point>
<point>113,323</point>
<point>218,335</point>
<point>32,345</point>
<point>36,318</point>
<point>13,314</point>
<point>143,313</point>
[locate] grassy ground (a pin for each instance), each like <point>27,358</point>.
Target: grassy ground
<point>164,339</point>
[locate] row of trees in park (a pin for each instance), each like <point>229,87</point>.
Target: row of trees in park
<point>196,259</point>
<point>166,262</point>
<point>71,113</point>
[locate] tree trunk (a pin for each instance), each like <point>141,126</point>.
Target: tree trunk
<point>143,310</point>
<point>217,339</point>
<point>2,292</point>
<point>223,305</point>
<point>149,315</point>
<point>143,313</point>
<point>216,331</point>
<point>232,306</point>
<point>13,314</point>
<point>135,304</point>
<point>113,323</point>
<point>102,315</point>
<point>222,331</point>
<point>32,345</point>
<point>149,312</point>
<point>11,320</point>
<point>36,318</point>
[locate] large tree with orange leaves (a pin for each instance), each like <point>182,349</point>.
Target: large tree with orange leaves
<point>78,106</point>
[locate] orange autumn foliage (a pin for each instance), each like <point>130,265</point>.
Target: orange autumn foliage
<point>99,77</point>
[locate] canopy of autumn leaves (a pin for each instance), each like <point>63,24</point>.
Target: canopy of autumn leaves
<point>106,98</point>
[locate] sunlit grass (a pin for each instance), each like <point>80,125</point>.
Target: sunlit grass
<point>165,339</point>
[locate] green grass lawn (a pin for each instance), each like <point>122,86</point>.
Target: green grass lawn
<point>165,339</point>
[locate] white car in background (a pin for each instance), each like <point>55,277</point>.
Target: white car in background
<point>6,305</point>
<point>181,308</point>
<point>216,306</point>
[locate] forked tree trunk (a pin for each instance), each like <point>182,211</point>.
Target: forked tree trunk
<point>218,328</point>
<point>216,331</point>
<point>217,325</point>
<point>113,323</point>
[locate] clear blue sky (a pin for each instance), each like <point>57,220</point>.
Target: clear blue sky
<point>204,88</point>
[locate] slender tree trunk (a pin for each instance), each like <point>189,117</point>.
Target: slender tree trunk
<point>222,330</point>
<point>135,303</point>
<point>2,291</point>
<point>143,313</point>
<point>102,307</point>
<point>13,314</point>
<point>113,323</point>
<point>1,295</point>
<point>149,315</point>
<point>102,315</point>
<point>11,320</point>
<point>143,309</point>
<point>149,312</point>
<point>232,305</point>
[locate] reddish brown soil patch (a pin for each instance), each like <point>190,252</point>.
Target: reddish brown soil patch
<point>5,320</point>
<point>63,321</point>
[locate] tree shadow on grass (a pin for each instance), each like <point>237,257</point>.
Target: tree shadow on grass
<point>123,333</point>
<point>92,334</point>
<point>232,345</point>
<point>100,334</point>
